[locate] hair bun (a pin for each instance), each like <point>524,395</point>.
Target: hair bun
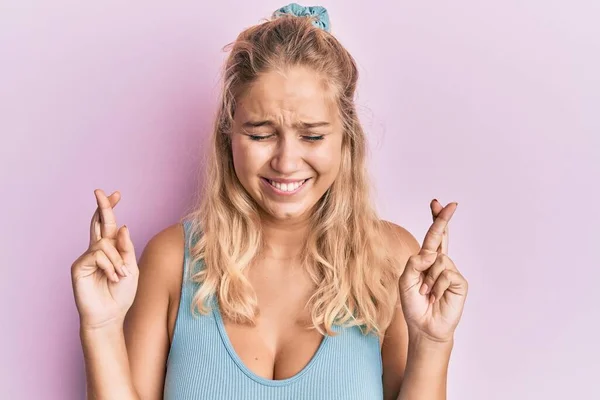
<point>321,20</point>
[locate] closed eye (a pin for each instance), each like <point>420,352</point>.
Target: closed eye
<point>313,138</point>
<point>259,137</point>
<point>309,138</point>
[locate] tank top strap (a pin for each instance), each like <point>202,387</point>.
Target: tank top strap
<point>190,239</point>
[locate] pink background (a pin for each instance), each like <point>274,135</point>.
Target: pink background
<point>491,104</point>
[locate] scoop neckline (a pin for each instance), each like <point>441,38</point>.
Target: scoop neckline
<point>259,379</point>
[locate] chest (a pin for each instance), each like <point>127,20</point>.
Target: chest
<point>282,342</point>
<point>278,358</point>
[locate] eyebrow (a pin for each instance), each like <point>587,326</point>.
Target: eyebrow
<point>301,125</point>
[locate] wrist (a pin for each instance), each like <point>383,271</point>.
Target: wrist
<point>425,341</point>
<point>417,336</point>
<point>106,327</point>
<point>425,352</point>
<point>427,364</point>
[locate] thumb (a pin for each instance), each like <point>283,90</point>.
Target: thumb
<point>417,264</point>
<point>125,248</point>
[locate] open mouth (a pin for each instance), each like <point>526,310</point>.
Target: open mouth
<point>289,187</point>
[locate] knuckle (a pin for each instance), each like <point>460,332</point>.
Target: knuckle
<point>434,232</point>
<point>439,262</point>
<point>98,255</point>
<point>106,244</point>
<point>100,244</point>
<point>448,262</point>
<point>412,260</point>
<point>446,274</point>
<point>75,264</point>
<point>436,270</point>
<point>442,259</point>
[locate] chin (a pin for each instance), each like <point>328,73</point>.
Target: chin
<point>287,212</point>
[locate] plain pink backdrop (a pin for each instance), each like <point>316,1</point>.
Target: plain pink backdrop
<point>491,104</point>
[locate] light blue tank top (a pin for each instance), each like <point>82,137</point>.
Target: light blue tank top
<point>202,363</point>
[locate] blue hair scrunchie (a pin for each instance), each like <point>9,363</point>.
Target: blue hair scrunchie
<point>322,20</point>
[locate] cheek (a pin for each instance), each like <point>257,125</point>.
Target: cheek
<point>240,159</point>
<point>247,159</point>
<point>326,159</point>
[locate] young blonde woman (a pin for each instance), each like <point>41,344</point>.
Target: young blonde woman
<point>283,283</point>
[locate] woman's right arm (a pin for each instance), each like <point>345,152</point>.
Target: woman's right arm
<point>146,324</point>
<point>106,364</point>
<point>125,358</point>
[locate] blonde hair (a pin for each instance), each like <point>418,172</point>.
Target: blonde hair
<point>345,256</point>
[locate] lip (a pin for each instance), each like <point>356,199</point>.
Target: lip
<point>284,180</point>
<point>278,192</point>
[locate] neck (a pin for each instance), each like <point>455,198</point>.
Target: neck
<point>283,240</point>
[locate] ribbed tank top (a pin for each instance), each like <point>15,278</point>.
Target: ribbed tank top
<point>202,363</point>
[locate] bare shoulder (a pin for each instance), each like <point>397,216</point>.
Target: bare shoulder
<point>169,239</point>
<point>163,255</point>
<point>399,242</point>
<point>162,260</point>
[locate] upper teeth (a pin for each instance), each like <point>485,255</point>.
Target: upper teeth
<point>287,187</point>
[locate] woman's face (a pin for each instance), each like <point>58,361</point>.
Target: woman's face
<point>286,142</point>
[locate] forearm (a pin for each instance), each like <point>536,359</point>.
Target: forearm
<point>106,364</point>
<point>426,370</point>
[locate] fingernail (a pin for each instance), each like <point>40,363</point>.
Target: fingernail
<point>124,270</point>
<point>431,299</point>
<point>424,289</point>
<point>115,277</point>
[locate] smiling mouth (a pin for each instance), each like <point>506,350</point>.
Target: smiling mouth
<point>286,187</point>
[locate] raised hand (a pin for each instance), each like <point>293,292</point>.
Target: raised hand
<point>432,291</point>
<point>105,276</point>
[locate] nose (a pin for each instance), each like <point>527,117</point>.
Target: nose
<point>288,156</point>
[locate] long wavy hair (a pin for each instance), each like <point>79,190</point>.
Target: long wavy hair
<point>344,252</point>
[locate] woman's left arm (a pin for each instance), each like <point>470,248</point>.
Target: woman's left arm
<point>417,345</point>
<point>413,367</point>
